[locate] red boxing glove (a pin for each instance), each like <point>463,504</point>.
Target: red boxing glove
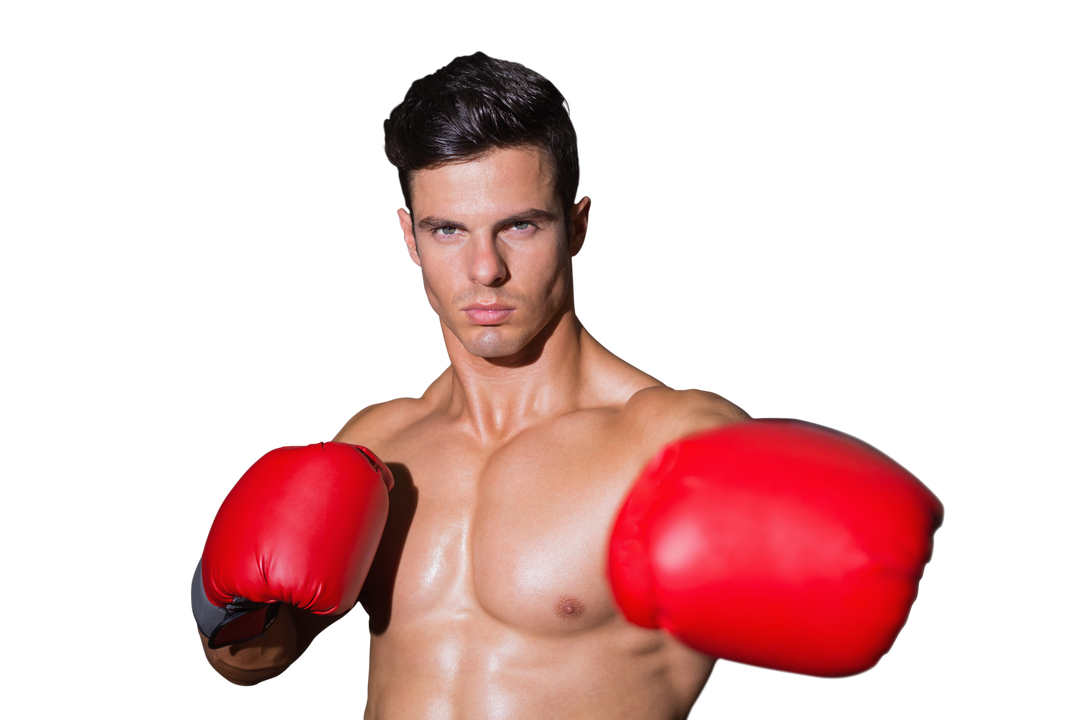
<point>775,543</point>
<point>300,527</point>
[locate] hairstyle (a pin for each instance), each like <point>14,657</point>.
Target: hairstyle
<point>476,104</point>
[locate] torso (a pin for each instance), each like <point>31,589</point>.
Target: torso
<point>488,597</point>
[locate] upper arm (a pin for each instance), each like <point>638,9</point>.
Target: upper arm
<point>660,415</point>
<point>373,424</point>
<point>347,429</point>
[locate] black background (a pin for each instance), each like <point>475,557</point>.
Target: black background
<point>765,226</point>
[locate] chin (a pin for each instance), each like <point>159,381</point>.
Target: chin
<point>494,349</point>
<point>493,343</point>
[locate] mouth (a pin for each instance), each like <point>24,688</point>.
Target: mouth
<point>488,314</point>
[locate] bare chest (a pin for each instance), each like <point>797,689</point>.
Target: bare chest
<point>489,595</point>
<point>515,537</point>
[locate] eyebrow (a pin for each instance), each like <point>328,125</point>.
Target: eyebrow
<point>531,215</point>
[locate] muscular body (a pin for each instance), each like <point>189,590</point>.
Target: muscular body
<point>495,603</point>
<point>488,596</point>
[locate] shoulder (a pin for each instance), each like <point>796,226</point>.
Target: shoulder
<point>380,423</point>
<point>659,415</point>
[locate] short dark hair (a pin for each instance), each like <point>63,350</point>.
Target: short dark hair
<point>476,104</point>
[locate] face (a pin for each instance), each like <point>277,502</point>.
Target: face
<point>489,237</point>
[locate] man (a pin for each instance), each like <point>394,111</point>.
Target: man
<point>493,590</point>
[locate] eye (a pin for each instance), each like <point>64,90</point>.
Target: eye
<point>447,230</point>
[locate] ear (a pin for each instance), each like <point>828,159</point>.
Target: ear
<point>406,227</point>
<point>579,224</point>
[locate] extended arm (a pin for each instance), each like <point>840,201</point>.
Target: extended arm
<point>775,543</point>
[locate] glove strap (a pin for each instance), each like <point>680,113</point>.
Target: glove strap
<point>239,621</point>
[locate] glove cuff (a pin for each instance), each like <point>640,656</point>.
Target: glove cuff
<point>239,621</point>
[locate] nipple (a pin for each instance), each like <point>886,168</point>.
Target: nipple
<point>569,607</point>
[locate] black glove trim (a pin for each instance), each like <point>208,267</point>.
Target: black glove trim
<point>239,621</point>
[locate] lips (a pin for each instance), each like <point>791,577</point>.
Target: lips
<point>489,306</point>
<point>488,314</point>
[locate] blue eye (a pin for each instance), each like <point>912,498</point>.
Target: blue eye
<point>448,230</point>
<point>522,225</point>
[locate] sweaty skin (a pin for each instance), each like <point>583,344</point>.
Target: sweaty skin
<point>488,596</point>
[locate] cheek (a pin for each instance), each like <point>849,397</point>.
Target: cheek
<point>435,289</point>
<point>554,270</point>
<point>439,287</point>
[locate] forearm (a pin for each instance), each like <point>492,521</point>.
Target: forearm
<point>270,654</point>
<point>262,658</point>
<point>308,625</point>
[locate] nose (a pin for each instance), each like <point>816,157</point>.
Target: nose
<point>486,264</point>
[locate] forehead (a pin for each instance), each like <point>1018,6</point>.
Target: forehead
<point>497,181</point>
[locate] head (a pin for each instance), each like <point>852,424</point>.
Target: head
<point>477,104</point>
<point>488,166</point>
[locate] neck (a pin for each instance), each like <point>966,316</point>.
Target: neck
<point>501,396</point>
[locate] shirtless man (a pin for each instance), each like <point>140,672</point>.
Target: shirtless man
<point>489,595</point>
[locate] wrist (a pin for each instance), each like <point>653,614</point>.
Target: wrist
<point>273,651</point>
